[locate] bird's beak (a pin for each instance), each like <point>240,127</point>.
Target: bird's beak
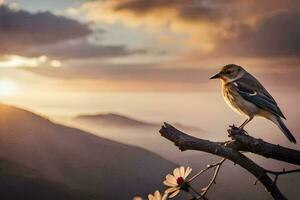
<point>218,75</point>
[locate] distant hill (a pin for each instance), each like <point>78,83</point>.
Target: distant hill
<point>77,159</point>
<point>112,119</point>
<point>19,183</point>
<point>121,121</point>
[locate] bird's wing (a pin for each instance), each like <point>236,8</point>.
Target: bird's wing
<point>250,81</point>
<point>258,98</point>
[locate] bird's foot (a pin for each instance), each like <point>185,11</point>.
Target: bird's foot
<point>245,132</point>
<point>234,130</point>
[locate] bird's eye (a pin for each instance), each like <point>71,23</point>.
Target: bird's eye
<point>229,72</point>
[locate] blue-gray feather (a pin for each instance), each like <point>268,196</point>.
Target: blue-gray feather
<point>261,102</point>
<point>257,95</point>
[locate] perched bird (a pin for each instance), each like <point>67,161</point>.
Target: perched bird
<point>246,95</point>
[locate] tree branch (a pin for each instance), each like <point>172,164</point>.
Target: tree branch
<point>213,180</point>
<point>230,150</point>
<point>279,173</point>
<point>247,143</point>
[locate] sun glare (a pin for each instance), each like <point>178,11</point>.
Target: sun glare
<point>13,61</point>
<point>18,61</point>
<point>8,87</point>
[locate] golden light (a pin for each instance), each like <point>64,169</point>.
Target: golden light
<point>8,87</point>
<point>158,19</point>
<point>18,61</point>
<point>13,61</point>
<point>43,59</point>
<point>55,63</point>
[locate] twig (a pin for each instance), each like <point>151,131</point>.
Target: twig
<point>207,168</point>
<point>196,192</point>
<point>213,180</point>
<point>278,173</point>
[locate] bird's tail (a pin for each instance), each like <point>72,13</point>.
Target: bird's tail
<point>285,130</point>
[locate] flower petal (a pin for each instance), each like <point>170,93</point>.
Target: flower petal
<point>151,197</point>
<point>170,178</point>
<point>165,197</point>
<point>167,183</point>
<point>174,194</point>
<point>157,195</point>
<point>181,171</point>
<point>187,172</point>
<point>172,189</point>
<point>176,173</point>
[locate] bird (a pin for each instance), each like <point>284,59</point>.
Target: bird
<point>248,97</point>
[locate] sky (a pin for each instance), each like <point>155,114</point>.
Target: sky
<point>147,59</point>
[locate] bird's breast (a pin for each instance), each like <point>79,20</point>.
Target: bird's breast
<point>237,102</point>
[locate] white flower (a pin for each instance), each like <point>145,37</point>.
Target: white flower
<point>157,196</point>
<point>178,181</point>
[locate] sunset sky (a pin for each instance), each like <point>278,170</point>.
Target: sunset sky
<point>148,59</point>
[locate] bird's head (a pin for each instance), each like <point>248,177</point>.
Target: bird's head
<point>229,73</point>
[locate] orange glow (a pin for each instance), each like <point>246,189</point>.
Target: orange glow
<point>13,61</point>
<point>8,87</point>
<point>158,18</point>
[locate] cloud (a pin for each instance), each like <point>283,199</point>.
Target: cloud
<point>142,6</point>
<point>249,28</point>
<point>208,25</point>
<point>32,35</point>
<point>190,10</point>
<point>83,49</point>
<point>237,30</point>
<point>142,77</point>
<point>201,20</point>
<point>276,35</point>
<point>128,72</point>
<point>21,30</point>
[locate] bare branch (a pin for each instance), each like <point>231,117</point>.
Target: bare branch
<point>279,173</point>
<point>206,169</point>
<point>213,180</point>
<point>243,142</point>
<point>187,142</point>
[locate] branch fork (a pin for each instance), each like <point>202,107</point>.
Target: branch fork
<point>233,150</point>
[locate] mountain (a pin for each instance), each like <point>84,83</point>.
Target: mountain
<point>18,183</point>
<point>78,159</point>
<point>121,121</point>
<point>132,131</point>
<point>115,120</point>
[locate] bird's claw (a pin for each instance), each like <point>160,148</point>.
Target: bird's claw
<point>234,130</point>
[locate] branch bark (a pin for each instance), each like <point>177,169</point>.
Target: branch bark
<point>260,147</point>
<point>230,150</point>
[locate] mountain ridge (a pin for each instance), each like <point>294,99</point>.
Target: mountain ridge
<point>78,159</point>
<point>112,119</point>
<point>115,119</point>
